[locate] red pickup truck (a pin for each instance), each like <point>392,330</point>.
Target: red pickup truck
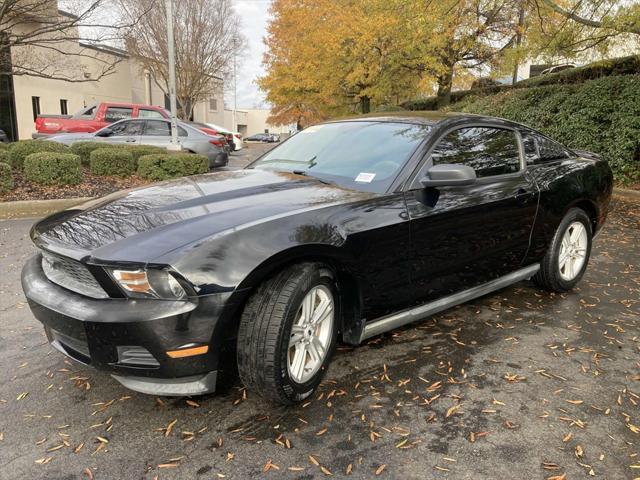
<point>94,117</point>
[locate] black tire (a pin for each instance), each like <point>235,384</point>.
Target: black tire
<point>265,329</point>
<point>548,277</point>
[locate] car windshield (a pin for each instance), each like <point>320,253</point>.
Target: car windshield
<point>361,155</point>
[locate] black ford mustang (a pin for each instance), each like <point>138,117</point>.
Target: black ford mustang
<point>346,230</point>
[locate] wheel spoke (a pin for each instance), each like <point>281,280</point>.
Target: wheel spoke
<point>563,259</point>
<point>321,313</point>
<point>299,361</point>
<point>307,306</point>
<point>297,334</point>
<point>577,232</point>
<point>316,350</point>
<point>569,271</point>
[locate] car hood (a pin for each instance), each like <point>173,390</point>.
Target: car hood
<point>142,224</point>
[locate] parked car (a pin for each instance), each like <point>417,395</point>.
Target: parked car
<point>156,132</point>
<point>557,68</point>
<point>263,137</point>
<point>3,137</point>
<point>222,139</point>
<point>95,117</point>
<point>234,138</point>
<point>347,230</point>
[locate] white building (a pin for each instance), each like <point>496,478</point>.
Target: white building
<point>23,97</point>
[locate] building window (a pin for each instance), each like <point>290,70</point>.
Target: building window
<point>35,105</point>
<point>213,105</point>
<point>63,107</point>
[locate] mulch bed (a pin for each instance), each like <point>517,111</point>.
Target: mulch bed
<point>91,186</point>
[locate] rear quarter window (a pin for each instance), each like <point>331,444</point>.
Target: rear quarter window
<point>539,149</point>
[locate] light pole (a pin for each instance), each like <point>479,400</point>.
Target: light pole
<point>235,89</point>
<point>174,145</point>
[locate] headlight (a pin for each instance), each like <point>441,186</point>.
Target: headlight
<point>149,284</point>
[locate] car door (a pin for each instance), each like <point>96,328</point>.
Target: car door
<point>157,133</point>
<point>126,132</point>
<point>463,236</point>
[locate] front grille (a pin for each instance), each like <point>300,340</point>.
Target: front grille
<point>71,275</point>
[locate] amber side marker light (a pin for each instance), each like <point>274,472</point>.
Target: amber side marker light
<point>188,352</point>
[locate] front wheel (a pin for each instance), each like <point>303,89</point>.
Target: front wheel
<point>288,333</point>
<point>566,261</point>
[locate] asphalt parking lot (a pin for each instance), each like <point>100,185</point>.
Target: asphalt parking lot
<point>518,384</point>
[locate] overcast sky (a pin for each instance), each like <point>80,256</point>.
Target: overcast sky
<point>254,15</point>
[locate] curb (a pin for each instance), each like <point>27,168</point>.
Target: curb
<point>627,194</point>
<point>37,208</point>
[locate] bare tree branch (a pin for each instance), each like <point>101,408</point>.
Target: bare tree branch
<point>206,39</point>
<point>41,41</point>
<point>629,28</point>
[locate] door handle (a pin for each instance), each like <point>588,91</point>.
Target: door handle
<point>522,195</point>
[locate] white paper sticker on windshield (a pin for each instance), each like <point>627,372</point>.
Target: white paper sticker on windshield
<point>365,177</point>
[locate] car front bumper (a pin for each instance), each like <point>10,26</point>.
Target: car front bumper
<point>130,338</point>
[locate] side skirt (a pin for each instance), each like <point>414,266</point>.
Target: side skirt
<point>395,320</point>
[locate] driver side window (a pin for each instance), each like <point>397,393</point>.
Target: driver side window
<point>133,127</point>
<point>489,151</point>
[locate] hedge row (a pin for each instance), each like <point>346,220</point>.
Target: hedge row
<point>6,180</point>
<point>84,149</point>
<point>601,116</point>
<point>165,166</point>
<point>612,67</point>
<point>112,161</point>
<point>51,168</point>
<point>21,149</point>
<point>603,68</point>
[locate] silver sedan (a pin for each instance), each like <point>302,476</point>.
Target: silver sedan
<point>155,132</point>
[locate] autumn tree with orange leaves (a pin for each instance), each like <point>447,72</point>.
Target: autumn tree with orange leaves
<point>328,58</point>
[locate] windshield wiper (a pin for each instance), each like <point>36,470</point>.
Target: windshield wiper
<point>305,173</point>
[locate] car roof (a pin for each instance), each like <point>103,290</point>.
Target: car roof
<point>424,117</point>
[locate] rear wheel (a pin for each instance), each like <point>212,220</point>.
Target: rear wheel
<point>566,260</point>
<point>288,333</point>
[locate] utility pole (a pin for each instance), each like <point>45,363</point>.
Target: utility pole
<point>174,145</point>
<point>518,40</point>
<point>235,88</point>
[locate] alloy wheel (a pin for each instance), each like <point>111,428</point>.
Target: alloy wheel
<point>311,334</point>
<point>573,251</point>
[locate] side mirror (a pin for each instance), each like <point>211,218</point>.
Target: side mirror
<point>105,132</point>
<point>448,174</point>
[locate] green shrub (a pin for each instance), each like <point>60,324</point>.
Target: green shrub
<point>112,161</point>
<point>161,166</point>
<point>602,68</point>
<point>141,150</point>
<point>51,168</point>
<point>4,156</point>
<point>602,116</point>
<point>170,165</point>
<point>23,148</point>
<point>6,179</point>
<point>4,146</point>
<point>193,164</point>
<point>614,66</point>
<point>83,149</point>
